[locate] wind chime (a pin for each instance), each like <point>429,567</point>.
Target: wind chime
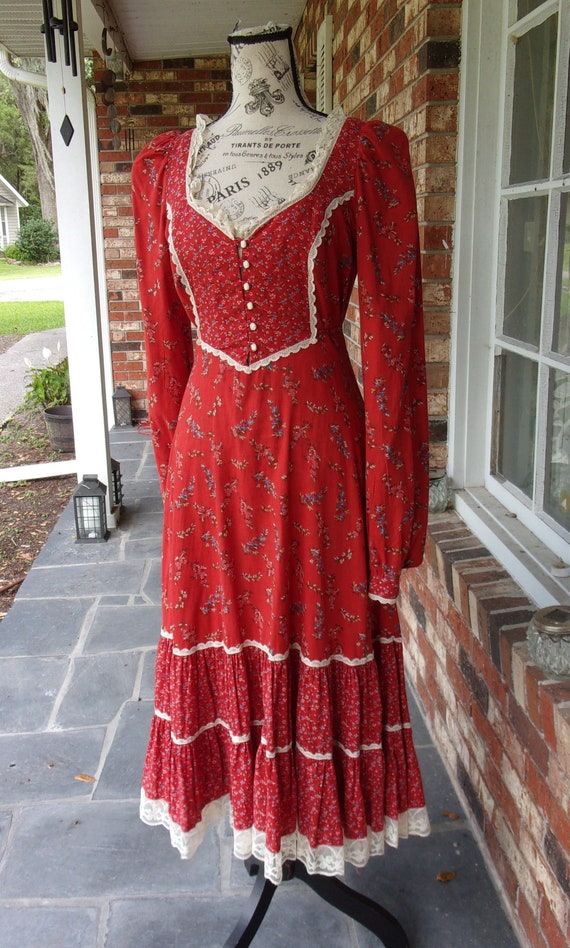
<point>67,27</point>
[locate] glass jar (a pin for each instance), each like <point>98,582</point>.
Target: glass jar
<point>548,637</point>
<point>438,490</point>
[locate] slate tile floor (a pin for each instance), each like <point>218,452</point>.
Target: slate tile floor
<point>77,867</point>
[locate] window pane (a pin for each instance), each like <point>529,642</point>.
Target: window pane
<point>562,314</point>
<point>533,105</point>
<point>526,238</point>
<point>557,487</point>
<point>527,6</point>
<point>566,158</point>
<point>517,400</point>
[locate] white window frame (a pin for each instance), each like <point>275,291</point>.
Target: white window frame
<point>4,230</point>
<point>525,545</point>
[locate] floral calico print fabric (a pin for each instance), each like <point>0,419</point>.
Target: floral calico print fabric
<point>291,504</point>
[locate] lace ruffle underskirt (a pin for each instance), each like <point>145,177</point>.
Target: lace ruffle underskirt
<point>316,758</point>
<point>323,860</point>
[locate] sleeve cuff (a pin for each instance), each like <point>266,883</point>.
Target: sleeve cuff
<point>385,602</point>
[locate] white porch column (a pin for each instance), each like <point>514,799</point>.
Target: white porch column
<point>77,240</point>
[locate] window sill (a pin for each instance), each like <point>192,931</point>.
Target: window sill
<point>525,558</point>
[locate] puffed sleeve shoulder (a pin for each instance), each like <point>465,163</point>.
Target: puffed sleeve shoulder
<point>393,359</point>
<point>168,340</point>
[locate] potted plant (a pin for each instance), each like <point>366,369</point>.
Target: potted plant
<point>48,388</point>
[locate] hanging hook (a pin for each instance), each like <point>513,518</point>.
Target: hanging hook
<point>107,50</point>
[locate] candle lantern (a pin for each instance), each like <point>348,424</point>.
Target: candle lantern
<point>117,483</point>
<point>89,510</point>
<point>122,409</point>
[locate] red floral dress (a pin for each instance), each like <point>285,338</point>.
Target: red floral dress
<point>290,503</point>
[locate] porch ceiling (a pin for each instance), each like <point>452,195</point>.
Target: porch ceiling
<point>152,29</point>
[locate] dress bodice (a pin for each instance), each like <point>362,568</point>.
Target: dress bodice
<point>264,282</point>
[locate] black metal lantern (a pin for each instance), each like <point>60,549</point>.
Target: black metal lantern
<point>89,510</point>
<point>117,483</point>
<point>122,407</point>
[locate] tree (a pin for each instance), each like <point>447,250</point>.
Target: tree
<point>32,105</point>
<point>16,155</point>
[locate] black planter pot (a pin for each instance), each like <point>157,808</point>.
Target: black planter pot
<point>59,424</point>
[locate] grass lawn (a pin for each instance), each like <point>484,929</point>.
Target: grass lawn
<point>22,318</point>
<point>13,271</point>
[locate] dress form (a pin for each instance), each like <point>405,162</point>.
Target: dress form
<point>253,159</point>
<point>270,383</point>
<point>249,163</point>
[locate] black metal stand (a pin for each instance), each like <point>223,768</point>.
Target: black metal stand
<point>359,907</point>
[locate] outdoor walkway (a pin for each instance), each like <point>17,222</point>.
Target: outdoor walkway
<point>26,289</point>
<point>77,868</point>
<point>16,361</point>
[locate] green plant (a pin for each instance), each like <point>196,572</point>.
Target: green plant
<point>12,252</point>
<point>37,241</point>
<point>49,386</point>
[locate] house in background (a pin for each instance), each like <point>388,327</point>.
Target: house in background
<point>10,203</point>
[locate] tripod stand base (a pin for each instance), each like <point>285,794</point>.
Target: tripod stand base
<point>359,907</point>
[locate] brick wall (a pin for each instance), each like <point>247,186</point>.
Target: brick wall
<point>156,97</point>
<point>503,727</point>
<point>398,61</point>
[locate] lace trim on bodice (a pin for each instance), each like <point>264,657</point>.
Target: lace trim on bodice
<point>220,217</point>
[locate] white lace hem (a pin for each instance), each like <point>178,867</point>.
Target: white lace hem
<point>322,860</point>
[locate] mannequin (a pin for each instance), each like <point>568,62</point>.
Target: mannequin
<point>291,505</point>
<point>261,150</point>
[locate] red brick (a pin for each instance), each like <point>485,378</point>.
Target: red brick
<point>534,679</point>
<point>559,821</point>
<point>529,923</point>
<point>461,628</point>
<point>551,694</point>
<point>529,737</point>
<point>502,866</point>
<point>492,741</point>
<point>501,796</point>
<point>550,929</point>
<point>458,683</point>
<point>507,638</point>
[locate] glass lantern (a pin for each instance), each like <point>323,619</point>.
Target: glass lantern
<point>89,510</point>
<point>122,407</point>
<point>117,483</point>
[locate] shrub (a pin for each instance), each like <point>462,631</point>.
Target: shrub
<point>37,241</point>
<point>12,252</point>
<point>49,386</point>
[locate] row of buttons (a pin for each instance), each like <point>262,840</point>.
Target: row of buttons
<point>249,305</point>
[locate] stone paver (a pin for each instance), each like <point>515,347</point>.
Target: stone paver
<point>45,766</point>
<point>57,634</point>
<point>49,926</point>
<point>96,688</point>
<point>121,774</point>
<point>77,867</point>
<point>97,849</point>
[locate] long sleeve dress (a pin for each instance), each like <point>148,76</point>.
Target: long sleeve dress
<point>291,502</point>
